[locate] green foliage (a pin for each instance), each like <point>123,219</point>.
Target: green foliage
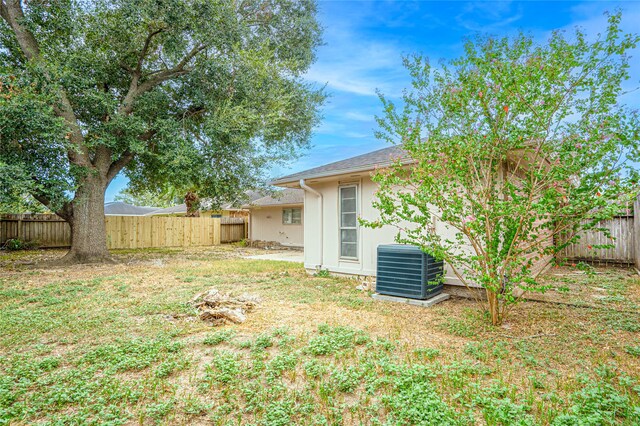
<point>219,337</point>
<point>224,368</point>
<point>322,273</point>
<point>513,143</point>
<point>597,403</point>
<point>13,244</point>
<point>188,95</point>
<point>633,350</point>
<point>148,198</point>
<point>332,339</point>
<point>416,401</point>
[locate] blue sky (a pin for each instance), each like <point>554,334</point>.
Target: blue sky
<point>365,42</point>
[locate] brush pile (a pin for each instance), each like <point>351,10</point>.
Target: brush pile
<point>221,308</point>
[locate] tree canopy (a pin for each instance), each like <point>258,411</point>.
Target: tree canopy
<point>198,94</point>
<point>516,147</point>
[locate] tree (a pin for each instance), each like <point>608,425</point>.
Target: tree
<point>200,94</point>
<point>516,146</point>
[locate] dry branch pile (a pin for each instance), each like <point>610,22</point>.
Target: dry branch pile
<point>221,308</point>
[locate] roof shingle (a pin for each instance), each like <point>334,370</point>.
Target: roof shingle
<point>287,196</point>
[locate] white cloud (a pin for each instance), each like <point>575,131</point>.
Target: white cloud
<point>489,16</point>
<point>356,135</point>
<point>359,116</point>
<point>351,62</point>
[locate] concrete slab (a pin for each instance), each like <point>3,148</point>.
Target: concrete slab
<point>289,256</point>
<point>417,302</point>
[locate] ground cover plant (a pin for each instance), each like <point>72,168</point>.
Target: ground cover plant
<point>120,344</point>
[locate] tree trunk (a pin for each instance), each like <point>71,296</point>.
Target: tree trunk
<point>494,307</point>
<point>88,230</point>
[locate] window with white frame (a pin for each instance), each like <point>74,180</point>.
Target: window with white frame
<point>291,216</point>
<point>349,222</point>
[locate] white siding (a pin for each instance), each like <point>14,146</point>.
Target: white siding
<point>266,225</point>
<point>368,239</point>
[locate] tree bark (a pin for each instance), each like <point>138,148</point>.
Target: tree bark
<point>88,230</point>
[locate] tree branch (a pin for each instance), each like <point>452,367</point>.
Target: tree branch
<point>119,164</point>
<point>145,48</point>
<point>135,89</point>
<point>65,212</point>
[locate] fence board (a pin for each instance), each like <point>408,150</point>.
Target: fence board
<point>123,232</point>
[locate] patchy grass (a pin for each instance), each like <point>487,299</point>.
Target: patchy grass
<point>100,345</point>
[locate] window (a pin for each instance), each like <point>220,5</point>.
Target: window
<point>348,222</point>
<point>291,216</point>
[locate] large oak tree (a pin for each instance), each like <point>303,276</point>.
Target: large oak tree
<point>194,94</point>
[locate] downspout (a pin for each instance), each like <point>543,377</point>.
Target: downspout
<point>319,195</point>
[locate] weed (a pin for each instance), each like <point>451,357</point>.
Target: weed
<point>331,340</point>
<point>224,368</point>
<point>14,244</point>
<point>322,273</point>
<point>427,353</point>
<point>633,350</point>
<point>219,337</point>
<point>263,342</point>
<point>314,369</point>
<point>346,380</point>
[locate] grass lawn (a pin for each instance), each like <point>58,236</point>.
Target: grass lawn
<point>101,345</point>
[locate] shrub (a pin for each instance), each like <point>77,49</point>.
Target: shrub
<point>14,244</point>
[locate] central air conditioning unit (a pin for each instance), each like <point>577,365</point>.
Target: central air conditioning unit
<point>406,271</point>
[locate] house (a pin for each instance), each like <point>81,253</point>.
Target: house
<point>335,195</point>
<point>118,208</point>
<point>278,218</point>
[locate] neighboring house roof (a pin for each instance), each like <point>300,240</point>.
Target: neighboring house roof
<point>179,209</point>
<point>182,208</point>
<point>118,208</point>
<point>287,196</point>
<point>251,196</point>
<point>369,161</point>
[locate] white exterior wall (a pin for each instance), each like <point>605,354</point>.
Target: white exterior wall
<point>329,240</point>
<point>266,225</point>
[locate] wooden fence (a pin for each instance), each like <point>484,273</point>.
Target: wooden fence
<point>233,229</point>
<point>133,232</point>
<point>47,230</point>
<point>123,232</point>
<point>623,250</point>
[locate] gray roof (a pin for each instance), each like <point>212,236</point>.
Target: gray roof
<point>182,208</point>
<point>287,196</point>
<point>368,161</point>
<point>179,209</point>
<point>118,208</point>
<point>251,196</point>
